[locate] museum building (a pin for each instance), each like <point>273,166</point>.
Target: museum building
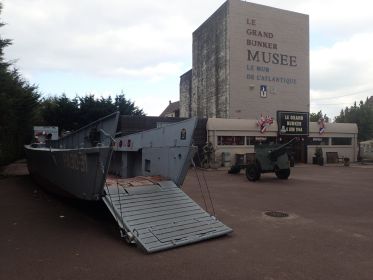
<point>250,78</point>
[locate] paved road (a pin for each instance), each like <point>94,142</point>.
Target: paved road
<point>328,235</point>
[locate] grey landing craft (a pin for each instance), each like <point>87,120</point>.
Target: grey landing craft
<point>137,176</point>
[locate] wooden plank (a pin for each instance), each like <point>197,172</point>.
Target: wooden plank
<point>150,193</point>
<point>133,199</point>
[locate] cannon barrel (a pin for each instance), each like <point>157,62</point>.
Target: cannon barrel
<point>275,153</point>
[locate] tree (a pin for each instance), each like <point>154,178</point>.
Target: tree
<point>18,106</point>
<point>315,117</point>
<point>127,107</point>
<point>362,115</point>
<point>60,111</point>
<point>91,109</point>
<point>71,114</point>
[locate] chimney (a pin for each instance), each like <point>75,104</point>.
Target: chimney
<point>169,102</point>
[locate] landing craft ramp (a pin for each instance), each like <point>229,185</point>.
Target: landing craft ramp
<point>157,215</point>
<point>144,194</point>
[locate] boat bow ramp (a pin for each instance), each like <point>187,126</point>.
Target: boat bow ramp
<point>158,215</point>
<point>143,189</point>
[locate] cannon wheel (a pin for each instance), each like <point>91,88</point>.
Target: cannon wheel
<point>234,169</point>
<point>252,172</point>
<point>282,173</point>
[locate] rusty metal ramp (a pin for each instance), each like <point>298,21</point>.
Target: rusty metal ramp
<point>159,215</point>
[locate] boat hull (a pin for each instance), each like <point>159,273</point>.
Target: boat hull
<point>78,173</point>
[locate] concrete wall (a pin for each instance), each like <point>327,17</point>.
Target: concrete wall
<point>258,34</point>
<point>343,151</point>
<point>248,127</point>
<point>186,95</point>
<point>211,67</point>
<point>366,150</point>
<point>349,151</point>
<point>229,151</point>
<point>242,48</point>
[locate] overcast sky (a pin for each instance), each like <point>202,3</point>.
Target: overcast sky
<point>142,47</point>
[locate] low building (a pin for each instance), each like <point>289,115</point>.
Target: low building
<point>366,150</point>
<point>239,136</point>
<point>172,110</point>
<point>337,138</point>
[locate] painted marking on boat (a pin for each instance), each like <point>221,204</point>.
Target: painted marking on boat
<point>75,161</point>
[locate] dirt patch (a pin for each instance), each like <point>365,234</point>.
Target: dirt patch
<point>18,168</point>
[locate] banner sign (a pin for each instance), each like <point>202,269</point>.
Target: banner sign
<point>264,122</point>
<point>292,123</point>
<point>42,132</point>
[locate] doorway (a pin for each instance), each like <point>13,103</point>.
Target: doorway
<point>298,148</point>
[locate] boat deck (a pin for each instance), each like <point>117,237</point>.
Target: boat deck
<point>115,182</point>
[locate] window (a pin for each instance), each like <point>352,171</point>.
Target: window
<point>255,140</point>
<point>231,140</point>
<point>341,141</point>
<point>318,141</point>
<point>147,165</point>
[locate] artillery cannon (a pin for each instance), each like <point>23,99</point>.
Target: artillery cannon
<point>266,159</point>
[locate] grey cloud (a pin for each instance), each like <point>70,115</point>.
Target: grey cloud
<point>150,39</point>
<point>98,36</point>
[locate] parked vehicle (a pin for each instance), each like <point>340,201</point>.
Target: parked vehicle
<point>267,158</point>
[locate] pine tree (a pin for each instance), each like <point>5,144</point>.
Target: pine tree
<point>18,106</point>
<point>362,115</point>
